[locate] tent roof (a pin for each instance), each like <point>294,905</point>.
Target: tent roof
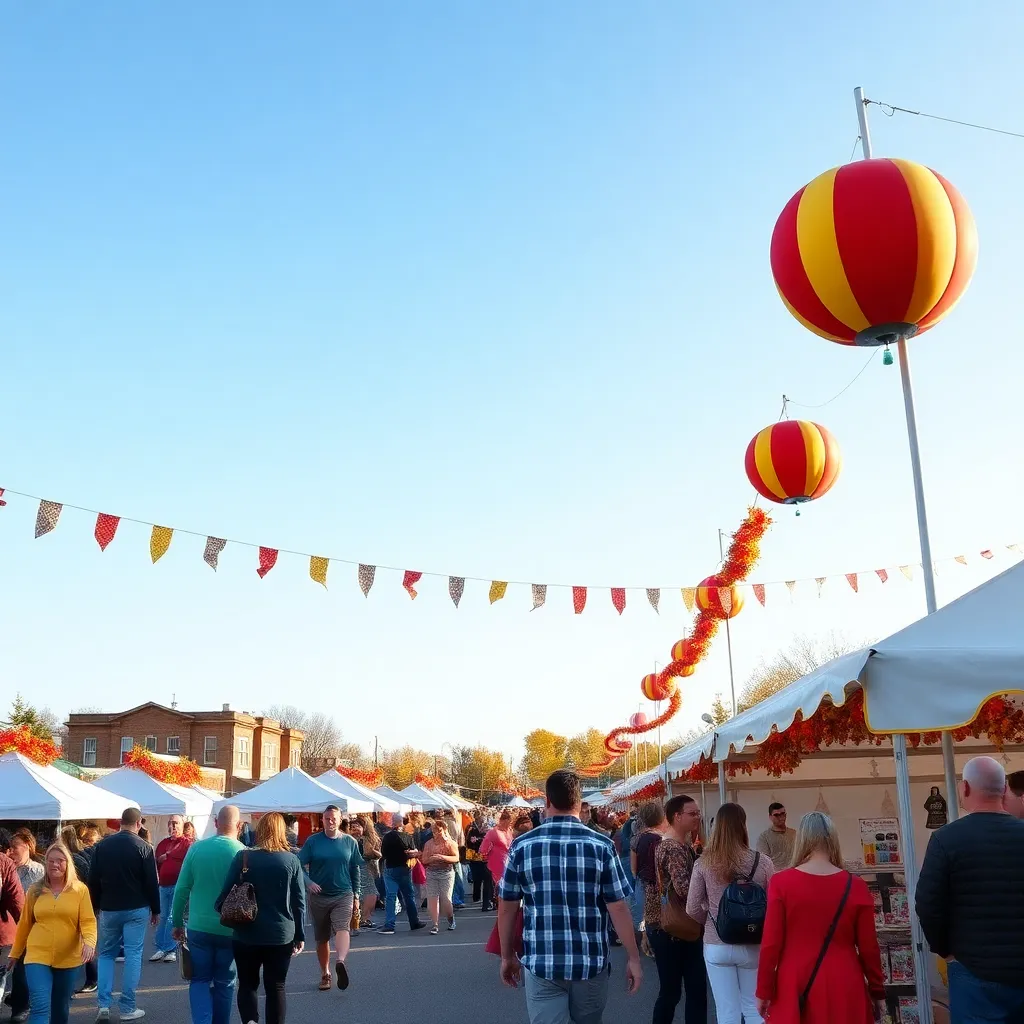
<point>154,797</point>
<point>292,790</point>
<point>426,798</point>
<point>392,794</point>
<point>349,787</point>
<point>518,801</point>
<point>41,792</point>
<point>461,803</point>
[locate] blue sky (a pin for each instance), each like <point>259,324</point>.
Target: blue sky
<point>471,288</point>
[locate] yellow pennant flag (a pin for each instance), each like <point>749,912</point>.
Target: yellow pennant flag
<point>689,596</point>
<point>159,542</point>
<point>318,569</point>
<point>497,591</point>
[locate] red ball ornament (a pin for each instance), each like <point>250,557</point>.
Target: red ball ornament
<point>638,721</point>
<point>682,650</point>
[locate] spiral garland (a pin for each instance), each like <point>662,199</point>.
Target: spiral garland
<point>182,772</point>
<point>428,781</point>
<point>22,740</point>
<point>716,600</point>
<point>517,789</point>
<point>371,778</point>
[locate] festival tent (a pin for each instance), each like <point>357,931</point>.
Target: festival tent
<point>292,790</point>
<point>404,804</point>
<point>426,798</point>
<point>461,803</point>
<point>35,792</point>
<point>349,787</point>
<point>159,800</point>
<point>518,801</point>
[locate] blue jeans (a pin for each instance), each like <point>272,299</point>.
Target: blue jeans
<point>49,993</point>
<point>212,987</point>
<point>117,927</point>
<point>974,1001</point>
<point>459,893</point>
<point>163,940</point>
<point>399,880</point>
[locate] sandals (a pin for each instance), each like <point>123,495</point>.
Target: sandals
<point>325,983</point>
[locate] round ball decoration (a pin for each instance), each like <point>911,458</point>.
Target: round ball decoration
<point>874,251</point>
<point>638,720</point>
<point>682,651</point>
<point>652,687</point>
<point>793,461</point>
<point>720,602</point>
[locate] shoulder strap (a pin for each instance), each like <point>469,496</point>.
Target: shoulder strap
<point>753,870</point>
<point>245,861</point>
<point>828,941</point>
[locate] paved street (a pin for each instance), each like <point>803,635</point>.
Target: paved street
<point>394,976</point>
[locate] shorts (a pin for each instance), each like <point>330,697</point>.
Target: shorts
<point>330,914</point>
<point>440,884</point>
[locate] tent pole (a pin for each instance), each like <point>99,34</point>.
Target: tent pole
<point>899,740</point>
<point>721,783</point>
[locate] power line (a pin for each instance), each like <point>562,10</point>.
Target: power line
<point>889,110</point>
<point>804,405</point>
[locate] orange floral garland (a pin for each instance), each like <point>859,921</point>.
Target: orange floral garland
<point>649,792</point>
<point>371,778</point>
<point>428,781</point>
<point>515,789</point>
<point>182,772</point>
<point>22,740</point>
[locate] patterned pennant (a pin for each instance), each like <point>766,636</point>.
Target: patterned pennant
<point>318,569</point>
<point>497,591</point>
<point>962,559</point>
<point>366,575</point>
<point>759,592</point>
<point>619,598</point>
<point>3,504</point>
<point>908,571</point>
<point>409,581</point>
<point>579,599</point>
<point>456,585</point>
<point>159,542</point>
<point>654,596</point>
<point>987,554</point>
<point>211,553</point>
<point>882,574</point>
<point>540,595</point>
<point>106,527</point>
<point>689,596</point>
<point>791,584</point>
<point>725,599</point>
<point>820,580</point>
<point>851,578</point>
<point>47,516</point>
<point>1009,547</point>
<point>268,559</point>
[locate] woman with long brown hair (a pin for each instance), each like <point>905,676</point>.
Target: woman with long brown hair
<point>276,934</point>
<point>731,965</point>
<point>369,870</point>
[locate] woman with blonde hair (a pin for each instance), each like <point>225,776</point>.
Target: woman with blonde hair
<point>440,855</point>
<point>820,962</point>
<point>369,870</point>
<point>728,863</point>
<point>56,935</point>
<point>69,836</point>
<point>276,935</point>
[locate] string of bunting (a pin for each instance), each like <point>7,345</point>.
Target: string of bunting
<point>48,516</point>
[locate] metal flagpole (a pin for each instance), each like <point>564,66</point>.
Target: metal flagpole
<point>728,633</point>
<point>899,740</point>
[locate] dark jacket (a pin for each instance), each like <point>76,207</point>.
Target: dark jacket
<point>122,875</point>
<point>12,900</point>
<point>280,897</point>
<point>970,899</point>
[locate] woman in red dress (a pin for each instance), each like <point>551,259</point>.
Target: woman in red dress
<point>802,903</point>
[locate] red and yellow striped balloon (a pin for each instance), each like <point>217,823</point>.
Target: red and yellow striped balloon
<point>874,251</point>
<point>653,689</point>
<point>793,461</point>
<point>720,602</point>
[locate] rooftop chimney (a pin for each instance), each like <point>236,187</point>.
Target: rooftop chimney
<point>225,707</point>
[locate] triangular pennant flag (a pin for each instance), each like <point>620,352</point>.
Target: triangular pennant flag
<point>456,585</point>
<point>318,569</point>
<point>987,554</point>
<point>106,527</point>
<point>579,599</point>
<point>851,578</point>
<point>268,559</point>
<point>497,591</point>
<point>1009,547</point>
<point>791,584</point>
<point>820,580</point>
<point>366,575</point>
<point>211,553</point>
<point>759,592</point>
<point>159,542</point>
<point>882,574</point>
<point>689,596</point>
<point>821,805</point>
<point>962,559</point>
<point>540,595</point>
<point>908,571</point>
<point>654,596</point>
<point>409,581</point>
<point>619,598</point>
<point>47,516</point>
<point>725,599</point>
<point>3,504</point>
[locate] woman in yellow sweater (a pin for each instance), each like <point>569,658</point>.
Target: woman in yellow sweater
<point>56,935</point>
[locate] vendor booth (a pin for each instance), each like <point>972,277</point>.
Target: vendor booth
<point>405,805</point>
<point>427,799</point>
<point>159,800</point>
<point>292,790</point>
<point>350,788</point>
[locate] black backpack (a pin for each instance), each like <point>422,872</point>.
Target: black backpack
<point>742,910</point>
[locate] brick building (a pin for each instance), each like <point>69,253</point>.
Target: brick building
<point>248,748</point>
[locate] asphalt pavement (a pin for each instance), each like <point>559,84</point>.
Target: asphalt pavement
<point>447,977</point>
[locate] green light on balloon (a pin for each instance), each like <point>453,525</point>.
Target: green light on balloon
<point>887,357</point>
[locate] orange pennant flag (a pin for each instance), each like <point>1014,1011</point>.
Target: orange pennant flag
<point>851,578</point>
<point>497,591</point>
<point>962,559</point>
<point>908,571</point>
<point>759,592</point>
<point>689,596</point>
<point>318,569</point>
<point>159,542</point>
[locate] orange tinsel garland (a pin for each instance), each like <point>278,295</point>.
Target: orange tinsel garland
<point>515,789</point>
<point>182,772</point>
<point>22,740</point>
<point>428,781</point>
<point>370,778</point>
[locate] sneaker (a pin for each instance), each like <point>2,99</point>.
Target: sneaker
<point>417,927</point>
<point>135,1014</point>
<point>433,931</point>
<point>20,1018</point>
<point>386,930</point>
<point>102,1014</point>
<point>451,924</point>
<point>89,986</point>
<point>342,972</point>
<point>154,959</point>
<point>120,959</point>
<point>171,958</point>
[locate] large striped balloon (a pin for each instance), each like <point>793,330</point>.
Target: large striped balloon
<point>793,461</point>
<point>874,251</point>
<point>721,602</point>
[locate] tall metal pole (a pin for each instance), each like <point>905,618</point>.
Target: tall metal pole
<point>728,633</point>
<point>899,740</point>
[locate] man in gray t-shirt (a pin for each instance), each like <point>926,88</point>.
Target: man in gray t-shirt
<point>777,842</point>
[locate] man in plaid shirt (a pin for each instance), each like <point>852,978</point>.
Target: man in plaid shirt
<point>570,882</point>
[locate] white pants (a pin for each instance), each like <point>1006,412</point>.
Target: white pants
<point>732,971</point>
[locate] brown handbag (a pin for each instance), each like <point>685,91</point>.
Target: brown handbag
<point>239,906</point>
<point>675,921</point>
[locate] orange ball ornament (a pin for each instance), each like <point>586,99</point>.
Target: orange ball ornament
<point>718,601</point>
<point>793,461</point>
<point>681,652</point>
<point>653,689</point>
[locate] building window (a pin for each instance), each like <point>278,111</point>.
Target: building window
<point>210,750</point>
<point>270,755</point>
<point>174,745</point>
<point>127,743</point>
<point>243,752</point>
<point>296,757</point>
<point>151,744</point>
<point>89,751</point>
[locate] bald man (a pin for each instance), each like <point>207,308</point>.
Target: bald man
<point>970,899</point>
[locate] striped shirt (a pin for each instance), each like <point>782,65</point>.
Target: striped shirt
<point>566,875</point>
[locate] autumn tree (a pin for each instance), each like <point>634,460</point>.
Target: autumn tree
<point>401,765</point>
<point>546,752</point>
<point>477,768</point>
<point>585,748</point>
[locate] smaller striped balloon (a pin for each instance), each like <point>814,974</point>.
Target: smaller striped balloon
<point>793,461</point>
<point>718,601</point>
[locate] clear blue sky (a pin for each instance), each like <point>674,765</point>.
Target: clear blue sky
<point>473,288</point>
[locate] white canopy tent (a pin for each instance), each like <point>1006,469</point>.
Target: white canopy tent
<point>405,805</point>
<point>159,799</point>
<point>460,802</point>
<point>35,792</point>
<point>349,787</point>
<point>428,799</point>
<point>518,801</point>
<point>292,790</point>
